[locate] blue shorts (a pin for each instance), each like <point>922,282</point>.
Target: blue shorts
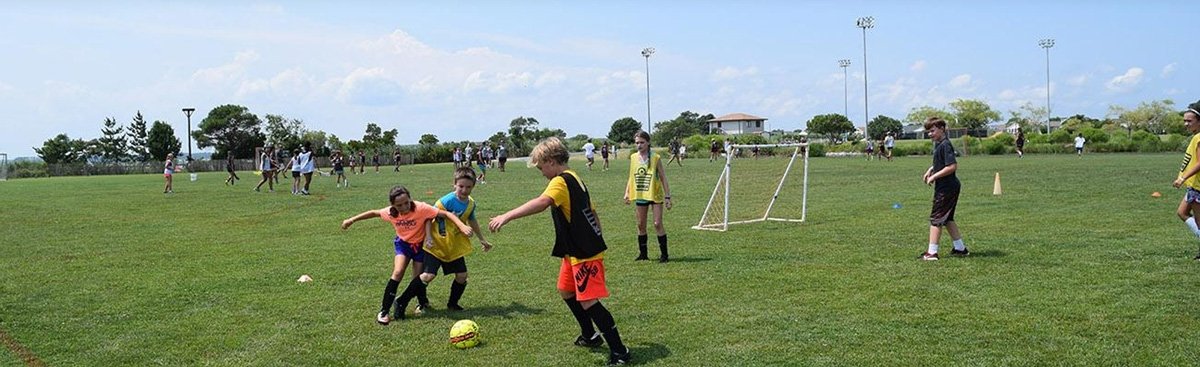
<point>1192,196</point>
<point>416,253</point>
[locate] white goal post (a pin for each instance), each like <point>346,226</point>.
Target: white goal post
<point>716,213</point>
<point>3,166</point>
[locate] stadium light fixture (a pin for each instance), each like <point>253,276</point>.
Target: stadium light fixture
<point>865,23</point>
<point>1047,43</point>
<point>845,86</point>
<point>187,111</point>
<point>646,52</point>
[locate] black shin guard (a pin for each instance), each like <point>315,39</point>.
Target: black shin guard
<point>642,239</point>
<point>389,295</point>
<point>415,287</point>
<point>456,292</point>
<point>662,248</point>
<point>608,327</point>
<point>581,316</point>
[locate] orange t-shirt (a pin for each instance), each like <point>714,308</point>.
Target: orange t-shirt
<point>410,226</point>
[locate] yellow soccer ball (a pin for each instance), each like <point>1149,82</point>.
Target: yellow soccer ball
<point>464,334</point>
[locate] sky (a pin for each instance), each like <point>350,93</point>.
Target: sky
<point>463,70</point>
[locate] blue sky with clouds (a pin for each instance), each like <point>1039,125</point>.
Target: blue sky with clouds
<point>463,70</point>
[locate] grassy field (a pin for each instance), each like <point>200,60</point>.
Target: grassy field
<point>1075,264</point>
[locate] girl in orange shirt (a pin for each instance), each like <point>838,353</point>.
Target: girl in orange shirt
<point>411,220</point>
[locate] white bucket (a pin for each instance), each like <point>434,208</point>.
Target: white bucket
<point>194,176</point>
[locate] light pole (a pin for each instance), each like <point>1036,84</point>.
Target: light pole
<point>845,86</point>
<point>1047,43</point>
<point>188,111</point>
<point>865,23</point>
<point>646,52</point>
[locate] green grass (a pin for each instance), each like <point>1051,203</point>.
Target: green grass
<point>1075,264</point>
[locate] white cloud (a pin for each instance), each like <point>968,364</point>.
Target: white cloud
<point>1168,70</point>
<point>730,73</point>
<point>962,81</point>
<point>1078,80</point>
<point>370,87</point>
<point>1126,81</point>
<point>227,73</point>
<point>918,66</point>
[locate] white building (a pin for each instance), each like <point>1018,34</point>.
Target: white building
<point>737,123</point>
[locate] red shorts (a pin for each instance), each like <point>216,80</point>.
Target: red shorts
<point>586,279</point>
<point>167,175</point>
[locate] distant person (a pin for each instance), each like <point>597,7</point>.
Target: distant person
<point>468,155</point>
<point>482,164</point>
<point>1020,143</point>
<point>589,152</point>
<point>362,162</point>
<point>295,164</point>
<point>580,244</point>
<point>456,156</point>
<point>168,173</point>
<point>946,188</point>
<point>889,144</point>
<point>307,166</point>
<point>338,160</point>
<point>396,159</point>
<point>604,150</point>
<point>411,220</point>
<point>351,161</point>
<point>229,168</point>
<point>729,147</point>
<point>375,161</point>
<point>682,153</point>
<point>502,156</point>
<point>648,190</point>
<point>673,147</point>
<point>714,149</point>
<point>266,165</point>
<point>870,148</point>
<point>1189,206</point>
<point>1079,140</point>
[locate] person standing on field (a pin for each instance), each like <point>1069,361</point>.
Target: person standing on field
<point>1187,178</point>
<point>648,190</point>
<point>1020,143</point>
<point>1079,140</point>
<point>946,188</point>
<point>889,144</point>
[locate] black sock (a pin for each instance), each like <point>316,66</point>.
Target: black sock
<point>423,294</point>
<point>456,292</point>
<point>414,288</point>
<point>581,316</point>
<point>389,295</point>
<point>662,245</point>
<point>608,327</point>
<point>642,239</point>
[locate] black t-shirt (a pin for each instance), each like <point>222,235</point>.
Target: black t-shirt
<point>943,155</point>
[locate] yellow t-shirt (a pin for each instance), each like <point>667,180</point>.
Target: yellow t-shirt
<point>1190,161</point>
<point>557,191</point>
<point>644,183</point>
<point>449,243</point>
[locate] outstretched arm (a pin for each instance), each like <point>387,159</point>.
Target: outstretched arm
<point>534,206</point>
<point>487,246</point>
<point>458,222</point>
<point>365,215</point>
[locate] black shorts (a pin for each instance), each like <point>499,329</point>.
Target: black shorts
<point>944,203</point>
<point>295,174</point>
<point>432,263</point>
<point>503,159</point>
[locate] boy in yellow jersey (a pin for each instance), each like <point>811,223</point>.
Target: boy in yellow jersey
<point>450,246</point>
<point>647,188</point>
<point>1190,205</point>
<point>578,241</point>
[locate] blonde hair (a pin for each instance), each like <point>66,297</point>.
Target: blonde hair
<point>550,149</point>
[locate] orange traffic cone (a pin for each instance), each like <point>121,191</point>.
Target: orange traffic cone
<point>996,186</point>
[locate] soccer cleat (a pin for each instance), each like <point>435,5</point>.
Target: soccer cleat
<point>663,259</point>
<point>420,310</point>
<point>641,257</point>
<point>617,359</point>
<point>454,307</point>
<point>928,256</point>
<point>592,342</point>
<point>1197,258</point>
<point>382,318</point>
<point>963,252</point>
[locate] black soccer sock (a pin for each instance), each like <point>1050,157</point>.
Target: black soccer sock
<point>581,316</point>
<point>662,245</point>
<point>415,287</point>
<point>608,327</point>
<point>389,295</point>
<point>642,239</point>
<point>423,294</point>
<point>456,292</point>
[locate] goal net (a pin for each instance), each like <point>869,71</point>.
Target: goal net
<point>759,189</point>
<point>3,166</point>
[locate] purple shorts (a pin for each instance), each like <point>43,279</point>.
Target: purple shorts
<point>1192,196</point>
<point>416,253</point>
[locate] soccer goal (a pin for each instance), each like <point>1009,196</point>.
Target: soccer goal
<point>747,198</point>
<point>3,166</point>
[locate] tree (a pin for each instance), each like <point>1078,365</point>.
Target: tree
<point>546,133</point>
<point>520,129</point>
<point>973,114</point>
<point>317,140</point>
<point>428,139</point>
<point>499,138</point>
<point>112,143</point>
<point>918,115</point>
<point>378,140</point>
<point>1028,117</point>
<point>230,129</point>
<point>688,123</point>
<point>56,150</point>
<point>623,129</point>
<point>161,140</point>
<point>284,133</point>
<point>832,125</point>
<point>881,125</point>
<point>135,135</point>
<point>1153,116</point>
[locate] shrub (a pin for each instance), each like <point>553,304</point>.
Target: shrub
<point>1060,137</point>
<point>1094,135</point>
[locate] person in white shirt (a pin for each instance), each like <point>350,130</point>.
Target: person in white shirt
<point>589,151</point>
<point>1079,140</point>
<point>306,167</point>
<point>889,143</point>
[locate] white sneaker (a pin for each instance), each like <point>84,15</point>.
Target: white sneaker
<point>382,318</point>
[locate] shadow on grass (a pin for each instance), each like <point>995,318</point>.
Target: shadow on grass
<point>988,253</point>
<point>687,259</point>
<point>641,354</point>
<point>512,310</point>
